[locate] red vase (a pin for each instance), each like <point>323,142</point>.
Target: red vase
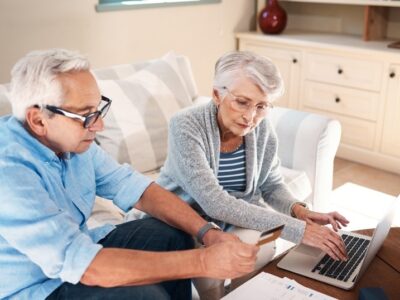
<point>272,18</point>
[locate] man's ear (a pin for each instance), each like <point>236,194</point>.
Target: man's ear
<point>36,121</point>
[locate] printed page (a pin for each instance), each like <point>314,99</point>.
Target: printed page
<point>266,286</point>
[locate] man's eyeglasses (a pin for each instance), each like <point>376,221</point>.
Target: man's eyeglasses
<point>87,119</point>
<point>243,105</point>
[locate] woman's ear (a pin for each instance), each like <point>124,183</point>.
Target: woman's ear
<point>216,97</point>
<point>35,120</point>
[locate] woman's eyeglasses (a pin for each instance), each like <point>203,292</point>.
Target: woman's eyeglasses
<point>244,105</point>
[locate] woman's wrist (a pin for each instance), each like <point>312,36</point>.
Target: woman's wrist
<point>299,211</point>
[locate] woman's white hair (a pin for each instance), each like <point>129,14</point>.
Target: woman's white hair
<point>259,69</point>
<point>34,78</point>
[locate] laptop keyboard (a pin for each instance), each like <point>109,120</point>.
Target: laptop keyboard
<point>342,270</point>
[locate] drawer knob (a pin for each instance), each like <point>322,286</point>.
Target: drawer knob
<point>337,99</point>
<point>340,71</point>
<point>392,74</point>
<point>294,60</point>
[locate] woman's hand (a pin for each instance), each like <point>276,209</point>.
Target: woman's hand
<point>320,236</point>
<point>325,239</point>
<point>333,218</point>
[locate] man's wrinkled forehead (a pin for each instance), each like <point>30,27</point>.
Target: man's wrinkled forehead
<point>80,91</point>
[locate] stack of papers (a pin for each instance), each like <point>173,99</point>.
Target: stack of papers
<point>266,286</point>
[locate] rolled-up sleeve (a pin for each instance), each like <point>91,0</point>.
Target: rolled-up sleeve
<point>77,261</point>
<point>118,182</point>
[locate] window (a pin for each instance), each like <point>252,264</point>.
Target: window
<point>132,4</point>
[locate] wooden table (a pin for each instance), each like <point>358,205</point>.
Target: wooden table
<point>384,271</point>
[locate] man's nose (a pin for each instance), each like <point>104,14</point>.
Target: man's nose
<point>98,125</point>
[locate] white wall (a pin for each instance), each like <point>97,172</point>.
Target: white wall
<point>202,32</point>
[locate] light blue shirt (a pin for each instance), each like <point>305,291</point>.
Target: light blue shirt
<point>45,202</point>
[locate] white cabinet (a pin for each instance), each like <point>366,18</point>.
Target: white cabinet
<point>356,82</point>
<point>391,127</point>
<point>288,62</point>
<point>346,88</point>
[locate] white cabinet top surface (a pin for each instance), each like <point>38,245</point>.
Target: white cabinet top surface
<point>392,3</point>
<point>324,41</point>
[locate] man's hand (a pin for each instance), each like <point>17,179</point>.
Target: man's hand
<point>333,218</point>
<point>229,259</point>
<point>217,236</point>
<point>325,239</point>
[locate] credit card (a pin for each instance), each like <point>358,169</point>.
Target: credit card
<point>270,235</point>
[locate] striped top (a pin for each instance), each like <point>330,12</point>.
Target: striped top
<point>232,170</point>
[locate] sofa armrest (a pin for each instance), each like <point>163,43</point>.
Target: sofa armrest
<point>308,142</point>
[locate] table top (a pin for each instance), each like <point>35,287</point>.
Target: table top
<point>384,271</point>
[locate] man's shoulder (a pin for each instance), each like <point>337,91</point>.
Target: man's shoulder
<point>9,144</point>
<point>4,121</point>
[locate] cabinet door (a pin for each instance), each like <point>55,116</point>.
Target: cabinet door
<point>391,127</point>
<point>288,63</point>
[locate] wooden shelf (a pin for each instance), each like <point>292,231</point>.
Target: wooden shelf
<point>376,14</point>
<point>389,3</point>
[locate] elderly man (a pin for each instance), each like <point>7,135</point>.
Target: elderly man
<point>51,172</point>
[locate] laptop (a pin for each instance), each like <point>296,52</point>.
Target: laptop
<point>314,263</point>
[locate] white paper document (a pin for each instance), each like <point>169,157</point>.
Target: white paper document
<point>266,286</point>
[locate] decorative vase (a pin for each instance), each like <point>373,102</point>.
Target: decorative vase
<point>272,18</point>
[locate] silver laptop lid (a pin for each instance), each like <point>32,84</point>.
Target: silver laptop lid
<point>380,233</point>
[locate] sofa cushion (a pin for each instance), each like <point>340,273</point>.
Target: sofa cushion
<point>5,105</point>
<point>298,183</point>
<point>143,102</point>
<point>105,212</point>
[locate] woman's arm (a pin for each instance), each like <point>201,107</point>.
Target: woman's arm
<point>188,165</point>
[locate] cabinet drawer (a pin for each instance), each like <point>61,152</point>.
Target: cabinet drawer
<point>351,72</point>
<point>355,132</point>
<point>340,100</point>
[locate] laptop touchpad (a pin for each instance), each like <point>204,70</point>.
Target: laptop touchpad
<point>308,250</point>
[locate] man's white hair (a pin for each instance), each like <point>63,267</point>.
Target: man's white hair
<point>34,78</point>
<point>259,69</point>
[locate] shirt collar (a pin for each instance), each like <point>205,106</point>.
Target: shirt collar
<point>24,137</point>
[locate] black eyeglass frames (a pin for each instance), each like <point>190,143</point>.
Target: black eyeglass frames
<point>87,119</point>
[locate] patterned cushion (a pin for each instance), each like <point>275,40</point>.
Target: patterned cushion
<point>144,99</point>
<point>180,62</point>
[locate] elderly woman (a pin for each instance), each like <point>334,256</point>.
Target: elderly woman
<point>223,160</point>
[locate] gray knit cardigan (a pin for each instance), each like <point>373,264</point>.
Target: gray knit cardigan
<point>191,169</point>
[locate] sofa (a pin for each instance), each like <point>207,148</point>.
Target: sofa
<point>145,95</point>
